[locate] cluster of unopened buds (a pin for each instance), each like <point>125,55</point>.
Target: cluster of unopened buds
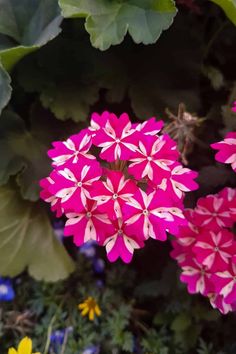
<point>205,249</point>
<point>118,184</point>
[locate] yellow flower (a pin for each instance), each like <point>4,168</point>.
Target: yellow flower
<point>24,347</point>
<point>89,307</point>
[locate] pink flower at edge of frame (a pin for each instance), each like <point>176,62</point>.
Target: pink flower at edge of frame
<point>225,283</point>
<point>73,184</point>
<point>226,150</point>
<point>71,150</point>
<point>48,197</point>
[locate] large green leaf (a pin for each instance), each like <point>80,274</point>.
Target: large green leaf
<point>25,26</point>
<point>70,100</point>
<point>27,240</point>
<point>24,153</point>
<point>229,7</point>
<point>107,22</point>
<point>5,88</point>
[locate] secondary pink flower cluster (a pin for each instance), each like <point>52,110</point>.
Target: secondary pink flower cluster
<point>118,183</point>
<point>227,149</point>
<point>205,249</point>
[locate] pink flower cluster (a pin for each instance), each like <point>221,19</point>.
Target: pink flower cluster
<point>227,149</point>
<point>205,249</point>
<point>118,183</point>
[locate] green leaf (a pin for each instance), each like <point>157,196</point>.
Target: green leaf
<point>25,26</point>
<point>229,7</point>
<point>27,241</point>
<point>5,88</point>
<point>24,153</point>
<point>107,22</point>
<point>181,322</point>
<point>68,101</point>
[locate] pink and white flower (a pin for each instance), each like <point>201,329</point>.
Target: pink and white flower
<point>117,139</point>
<point>71,150</point>
<point>181,180</point>
<point>48,197</point>
<point>196,276</point>
<point>151,215</point>
<point>214,249</point>
<point>113,193</point>
<point>217,302</point>
<point>150,126</point>
<point>88,224</point>
<point>225,283</point>
<point>153,158</point>
<point>98,121</point>
<point>229,195</point>
<point>73,184</point>
<point>212,213</point>
<point>121,244</point>
<point>227,150</point>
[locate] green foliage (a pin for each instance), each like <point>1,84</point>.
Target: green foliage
<point>24,27</point>
<point>28,25</point>
<point>229,7</point>
<point>107,22</point>
<point>24,227</point>
<point>23,153</point>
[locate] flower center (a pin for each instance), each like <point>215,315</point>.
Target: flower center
<point>79,184</point>
<point>117,141</point>
<point>115,196</point>
<point>89,214</point>
<point>216,249</point>
<point>120,232</point>
<point>145,212</point>
<point>149,158</point>
<point>3,289</point>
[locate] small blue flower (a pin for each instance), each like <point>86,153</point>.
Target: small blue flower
<point>92,349</point>
<point>98,265</point>
<point>7,292</point>
<point>88,249</point>
<point>57,338</point>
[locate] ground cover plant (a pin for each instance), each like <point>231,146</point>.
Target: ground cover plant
<point>117,176</point>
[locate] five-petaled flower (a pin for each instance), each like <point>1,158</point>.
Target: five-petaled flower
<point>117,139</point>
<point>227,150</point>
<point>24,347</point>
<point>90,307</point>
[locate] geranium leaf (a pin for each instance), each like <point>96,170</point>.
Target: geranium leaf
<point>107,22</point>
<point>25,26</point>
<point>5,88</point>
<point>229,7</point>
<point>68,101</point>
<point>23,153</point>
<point>27,241</point>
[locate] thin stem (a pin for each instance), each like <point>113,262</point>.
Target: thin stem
<point>63,348</point>
<point>49,332</point>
